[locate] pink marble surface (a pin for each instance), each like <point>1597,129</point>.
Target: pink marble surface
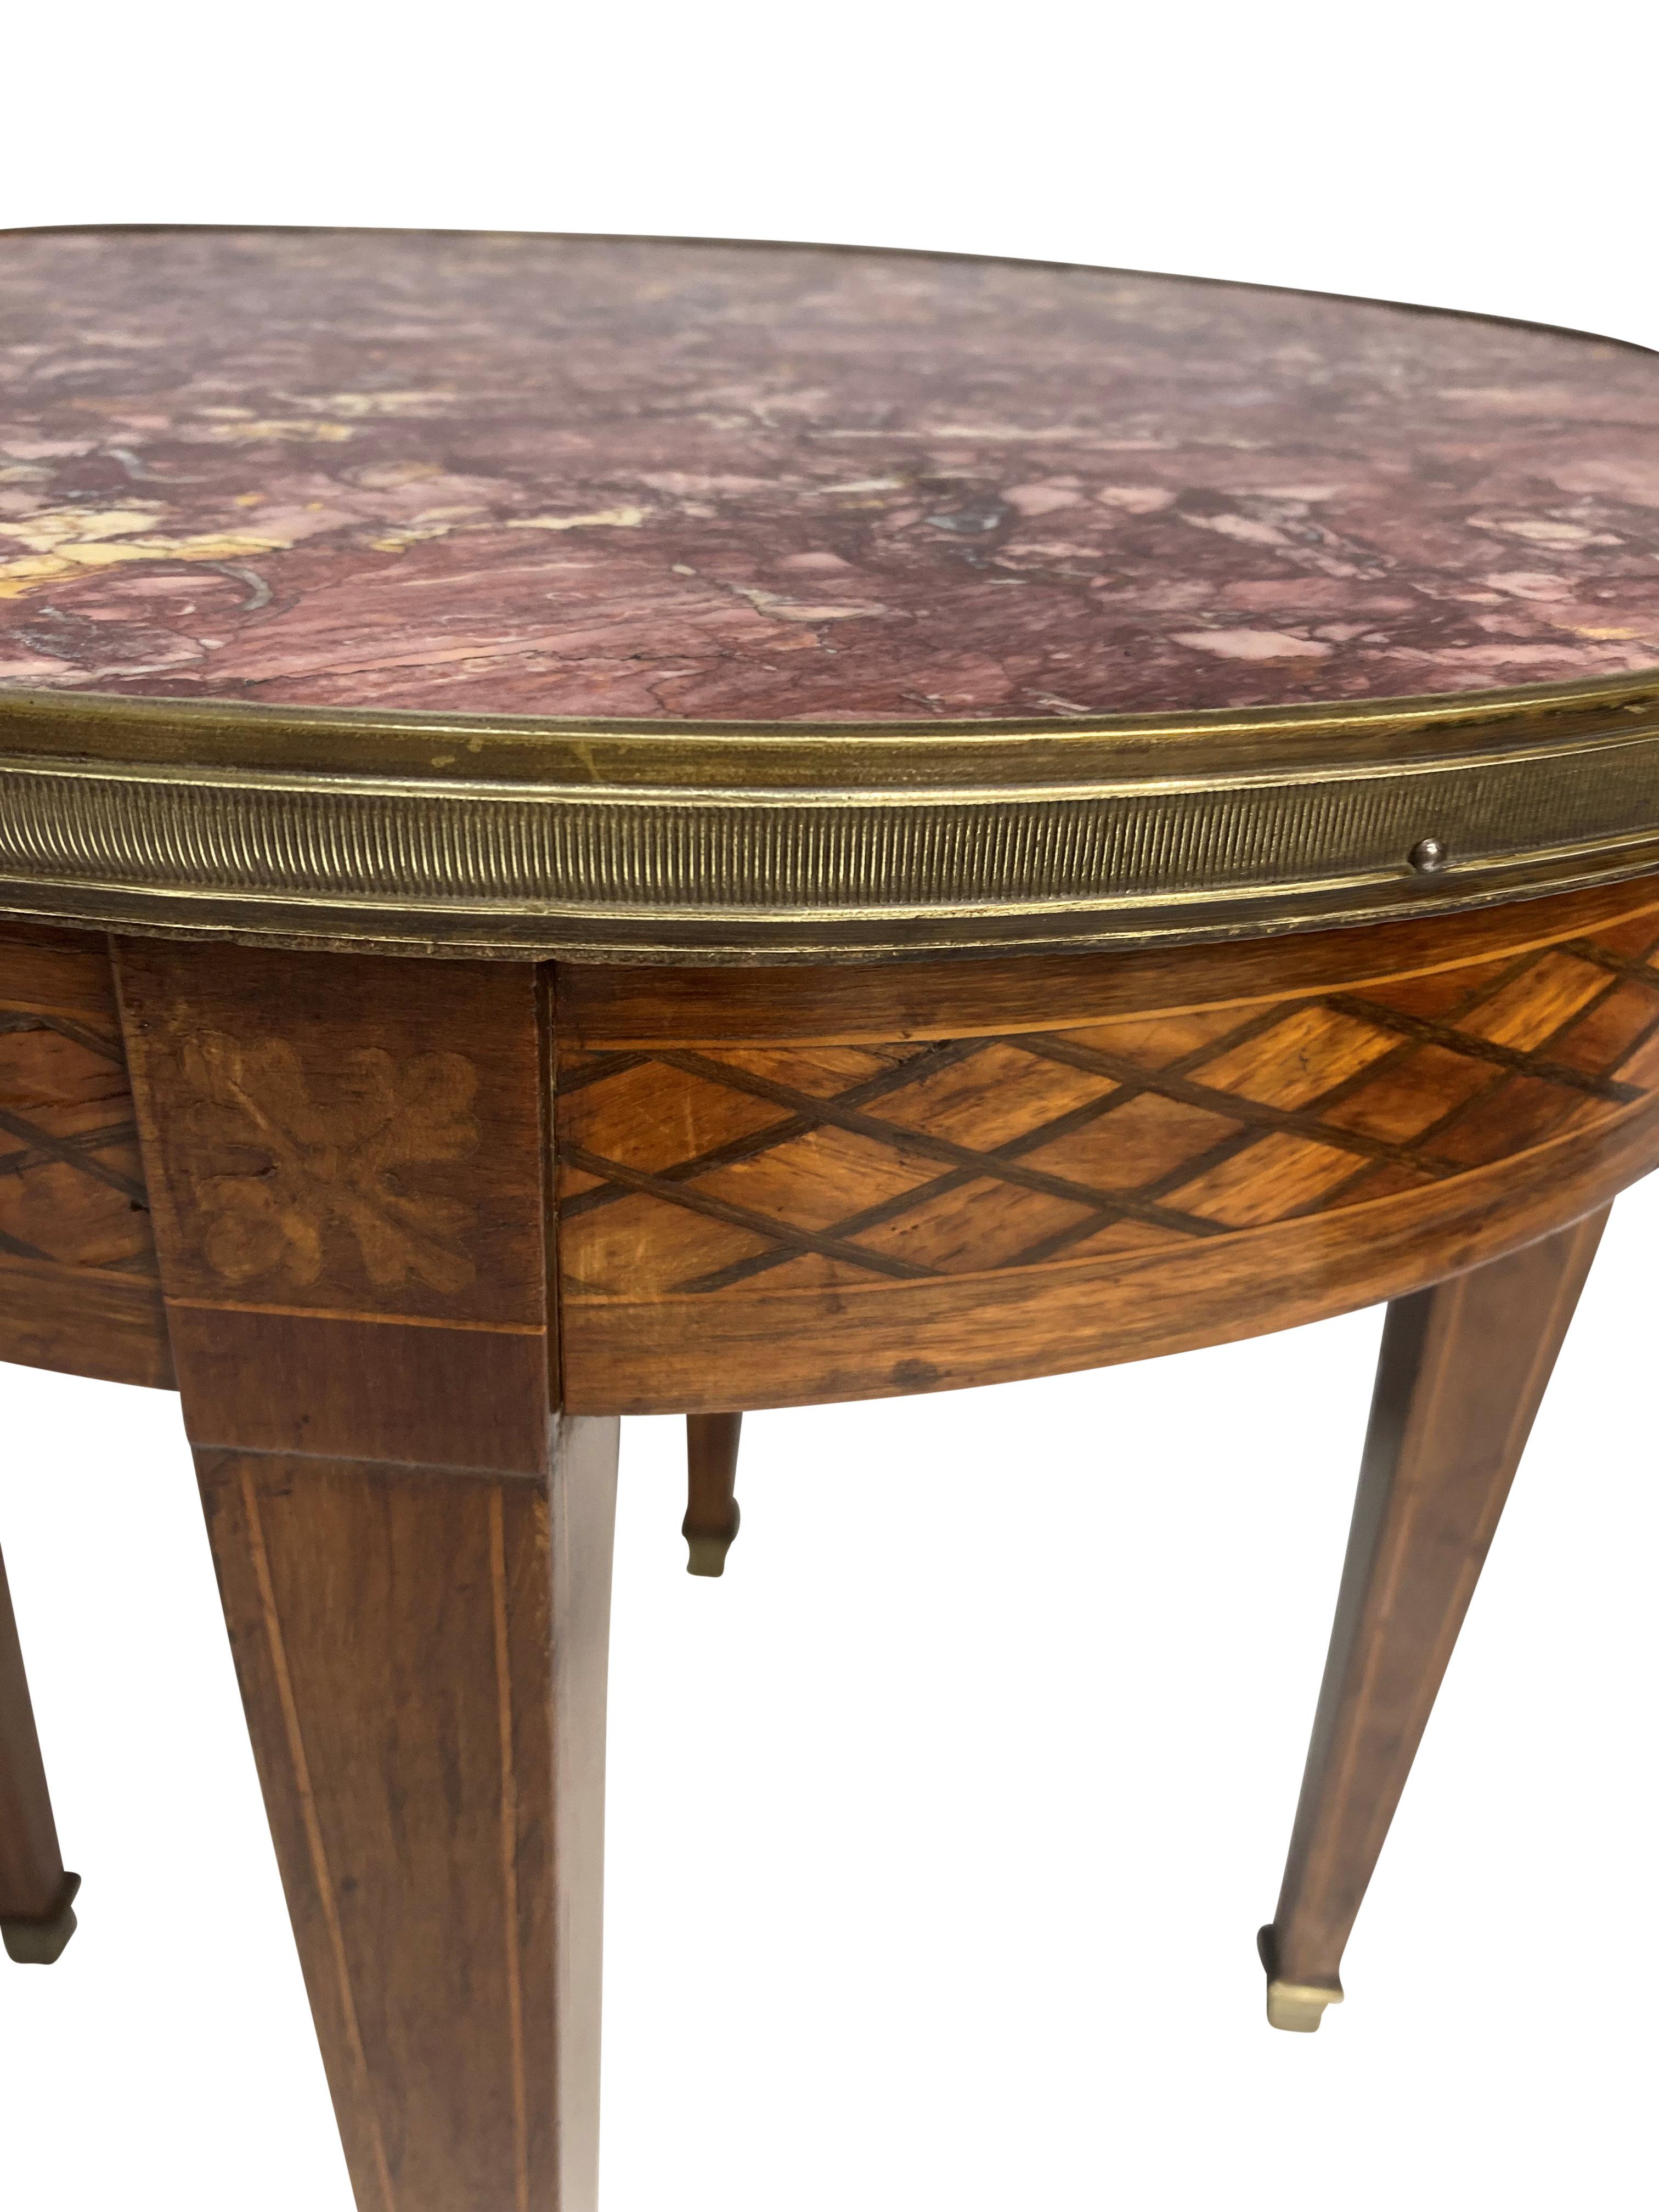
<point>536,475</point>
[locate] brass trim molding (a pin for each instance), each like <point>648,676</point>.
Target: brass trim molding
<point>633,840</point>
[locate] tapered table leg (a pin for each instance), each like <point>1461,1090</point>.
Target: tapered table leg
<point>712,1514</point>
<point>1463,1370</point>
<point>422,1654</point>
<point>348,1168</point>
<point>37,1916</point>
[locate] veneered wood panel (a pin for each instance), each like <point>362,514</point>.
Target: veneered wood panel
<point>982,1206</point>
<point>78,1285</point>
<point>872,1003</point>
<point>809,1346</point>
<point>341,1134</point>
<point>65,971</point>
<point>448,1397</point>
<point>347,1160</point>
<point>83,1320</point>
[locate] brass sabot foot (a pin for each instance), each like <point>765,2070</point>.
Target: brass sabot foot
<point>1297,2007</point>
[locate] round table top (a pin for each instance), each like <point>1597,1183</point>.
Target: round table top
<point>622,595</point>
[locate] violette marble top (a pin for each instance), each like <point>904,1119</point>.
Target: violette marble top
<point>539,476</point>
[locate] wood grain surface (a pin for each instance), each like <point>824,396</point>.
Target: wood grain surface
<point>32,1876</point>
<point>350,1164</point>
<point>1462,1372</point>
<point>611,1008</point>
<point>996,1168</point>
<point>338,1191</point>
<point>422,1654</point>
<point>79,1290</point>
<point>784,1224</point>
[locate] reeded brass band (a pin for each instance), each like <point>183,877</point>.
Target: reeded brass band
<point>622,842</point>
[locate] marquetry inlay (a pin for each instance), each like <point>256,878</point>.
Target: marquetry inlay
<point>279,1170</point>
<point>71,1189</point>
<point>716,1172</point>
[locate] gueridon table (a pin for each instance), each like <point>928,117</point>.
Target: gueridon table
<point>606,826</point>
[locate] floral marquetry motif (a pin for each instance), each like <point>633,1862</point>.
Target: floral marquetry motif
<point>279,1172</point>
<point>346,1137</point>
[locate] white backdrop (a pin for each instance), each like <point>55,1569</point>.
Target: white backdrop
<point>940,1829</point>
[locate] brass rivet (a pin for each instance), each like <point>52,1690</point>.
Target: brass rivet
<point>1428,856</point>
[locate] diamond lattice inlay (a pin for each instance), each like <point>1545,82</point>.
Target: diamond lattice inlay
<point>711,1171</point>
<point>71,1185</point>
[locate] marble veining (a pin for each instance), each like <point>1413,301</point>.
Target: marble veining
<point>490,474</point>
